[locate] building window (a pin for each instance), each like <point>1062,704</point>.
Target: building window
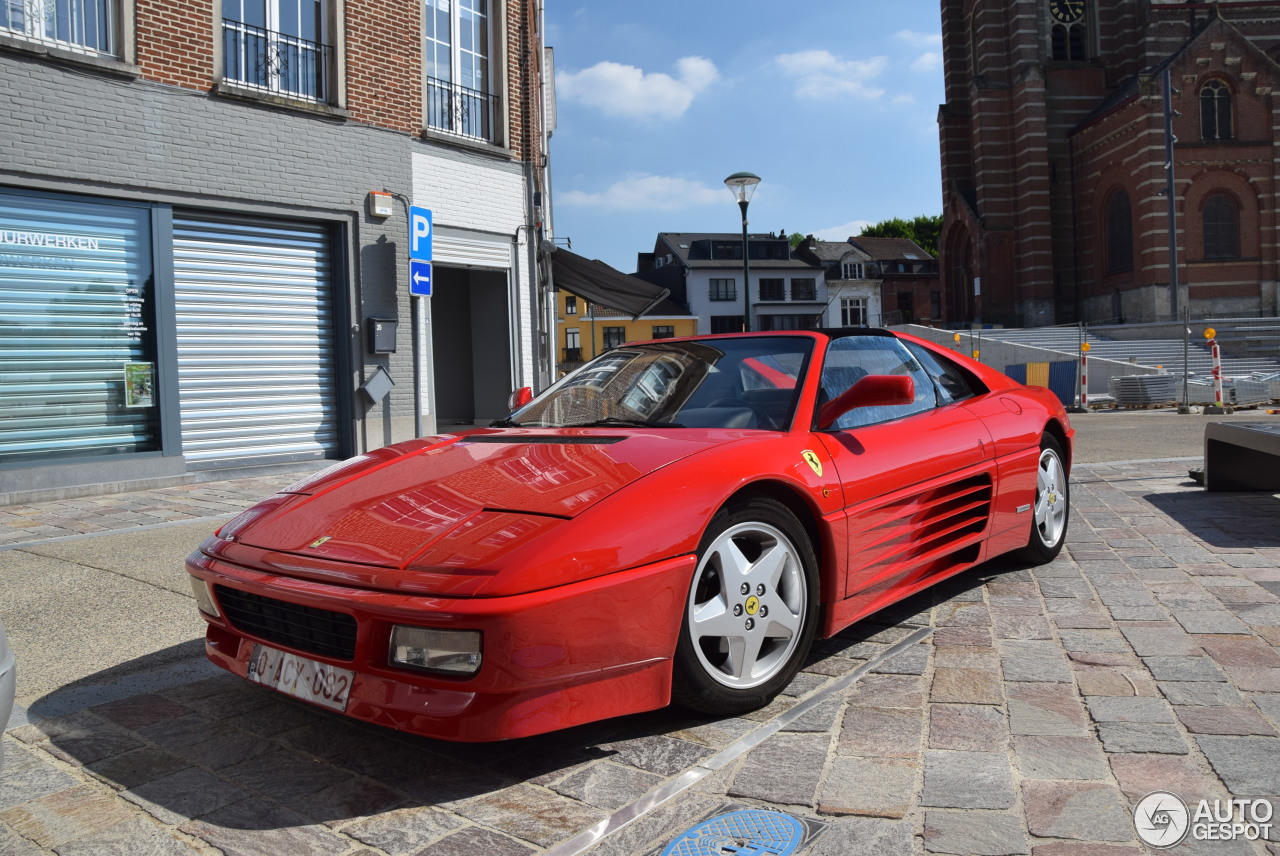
<point>852,270</point>
<point>906,307</point>
<point>723,289</point>
<point>458,75</point>
<point>571,305</point>
<point>277,46</point>
<point>804,289</point>
<point>853,312</point>
<point>572,346</point>
<point>773,289</point>
<point>790,322</point>
<point>87,26</point>
<point>1067,29</point>
<point>664,331</point>
<point>1119,233</point>
<point>1221,227</point>
<point>726,250</point>
<point>1215,111</point>
<point>726,323</point>
<point>614,336</point>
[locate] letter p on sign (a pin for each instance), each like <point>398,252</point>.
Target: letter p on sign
<point>420,233</point>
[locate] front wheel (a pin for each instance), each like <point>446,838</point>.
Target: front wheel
<point>1052,506</point>
<point>751,613</point>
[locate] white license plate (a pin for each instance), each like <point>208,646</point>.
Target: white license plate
<point>299,677</point>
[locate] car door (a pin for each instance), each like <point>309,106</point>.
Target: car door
<point>916,477</point>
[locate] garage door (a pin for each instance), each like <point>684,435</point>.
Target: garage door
<point>254,303</point>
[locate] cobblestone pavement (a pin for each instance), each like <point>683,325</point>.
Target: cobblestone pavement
<point>1009,711</point>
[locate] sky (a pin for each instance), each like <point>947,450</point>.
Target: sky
<point>833,103</point>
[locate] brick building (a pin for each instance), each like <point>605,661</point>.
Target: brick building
<point>1054,136</point>
<point>192,260</point>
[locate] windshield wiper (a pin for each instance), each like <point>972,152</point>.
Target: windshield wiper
<point>615,420</point>
<point>504,423</point>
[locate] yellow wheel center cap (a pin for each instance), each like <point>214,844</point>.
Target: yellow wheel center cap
<point>753,605</point>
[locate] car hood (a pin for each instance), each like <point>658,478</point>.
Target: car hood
<point>428,501</point>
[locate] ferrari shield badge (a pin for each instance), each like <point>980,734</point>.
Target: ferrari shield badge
<point>812,460</point>
<point>749,832</point>
<point>319,541</point>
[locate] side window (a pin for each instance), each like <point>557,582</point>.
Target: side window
<point>953,383</point>
<point>851,358</point>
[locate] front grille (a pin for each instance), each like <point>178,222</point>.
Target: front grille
<point>319,631</point>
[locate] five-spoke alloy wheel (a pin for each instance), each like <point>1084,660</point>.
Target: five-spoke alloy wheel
<point>1052,505</point>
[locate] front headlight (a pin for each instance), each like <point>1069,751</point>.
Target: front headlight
<point>453,652</point>
<point>204,597</point>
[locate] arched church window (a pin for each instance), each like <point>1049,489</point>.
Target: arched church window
<point>1221,216</point>
<point>1119,233</point>
<point>1215,111</point>
<point>1067,29</point>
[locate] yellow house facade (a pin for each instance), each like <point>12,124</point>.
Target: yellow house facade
<point>585,330</point>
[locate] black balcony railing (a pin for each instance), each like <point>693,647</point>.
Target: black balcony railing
<point>572,355</point>
<point>459,110</point>
<point>274,62</point>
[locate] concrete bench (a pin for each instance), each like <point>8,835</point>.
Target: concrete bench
<point>1241,457</point>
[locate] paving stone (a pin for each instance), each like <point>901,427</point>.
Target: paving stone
<point>1198,668</point>
<point>53,820</point>
<point>863,836</point>
<point>1209,621</point>
<point>982,657</point>
<point>650,833</point>
<point>1045,709</point>
<point>182,731</point>
<point>284,775</point>
<point>1224,720</point>
<point>1084,811</point>
<point>1116,709</point>
<point>959,614</point>
<point>1059,757</point>
<point>971,833</point>
<point>13,844</point>
<point>912,661</point>
<point>1141,737</point>
<point>1246,765</point>
<point>1033,661</point>
<point>1139,775</point>
<point>135,837</point>
<point>185,794</point>
<point>1016,625</point>
<point>141,710</point>
<point>821,717</point>
<point>887,691</point>
<point>944,637</point>
<point>718,733</point>
<point>967,727</point>
<point>1165,641</point>
<point>1106,682</point>
<point>405,831</point>
<point>880,787</point>
<point>1079,848</point>
<point>531,813</point>
<point>79,738</point>
<point>1094,641</point>
<point>1268,703</point>
<point>880,733</point>
<point>255,827</point>
<point>1266,680</point>
<point>967,780</point>
<point>965,686</point>
<point>137,767</point>
<point>1241,651</point>
<point>1208,693</point>
<point>609,786</point>
<point>785,770</point>
<point>1257,614</point>
<point>659,754</point>
<point>28,776</point>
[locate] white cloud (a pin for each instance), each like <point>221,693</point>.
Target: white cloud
<point>641,192</point>
<point>821,74</point>
<point>920,40</point>
<point>930,61</point>
<point>843,232</point>
<point>627,91</point>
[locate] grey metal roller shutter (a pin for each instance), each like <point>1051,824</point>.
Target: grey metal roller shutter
<point>254,302</point>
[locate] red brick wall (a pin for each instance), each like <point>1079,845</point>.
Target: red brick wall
<point>175,40</point>
<point>384,53</point>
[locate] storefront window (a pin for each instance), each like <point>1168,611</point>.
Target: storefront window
<point>77,365</point>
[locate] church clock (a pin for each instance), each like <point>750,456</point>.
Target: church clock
<point>1066,11</point>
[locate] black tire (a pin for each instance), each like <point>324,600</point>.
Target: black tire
<point>1051,509</point>
<point>752,610</point>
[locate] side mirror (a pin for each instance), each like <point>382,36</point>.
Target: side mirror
<point>519,398</point>
<point>870,391</point>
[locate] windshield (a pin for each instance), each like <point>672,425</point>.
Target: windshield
<point>747,382</point>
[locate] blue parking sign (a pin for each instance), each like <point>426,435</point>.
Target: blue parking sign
<point>420,278</point>
<point>420,233</point>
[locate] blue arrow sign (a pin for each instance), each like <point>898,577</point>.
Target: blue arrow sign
<point>420,278</point>
<point>420,233</point>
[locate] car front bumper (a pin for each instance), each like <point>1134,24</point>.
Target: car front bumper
<point>577,653</point>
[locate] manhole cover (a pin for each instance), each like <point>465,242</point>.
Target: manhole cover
<point>741,833</point>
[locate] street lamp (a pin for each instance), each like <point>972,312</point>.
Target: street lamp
<point>743,186</point>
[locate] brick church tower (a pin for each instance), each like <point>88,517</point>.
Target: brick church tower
<point>1056,132</point>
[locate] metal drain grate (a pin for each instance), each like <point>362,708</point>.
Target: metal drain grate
<point>749,832</point>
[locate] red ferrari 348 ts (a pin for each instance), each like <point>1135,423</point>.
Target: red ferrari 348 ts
<point>676,520</point>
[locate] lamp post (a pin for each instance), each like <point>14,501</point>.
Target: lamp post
<point>743,186</point>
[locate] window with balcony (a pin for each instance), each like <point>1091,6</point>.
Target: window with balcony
<point>572,346</point>
<point>804,289</point>
<point>277,47</point>
<point>614,336</point>
<point>459,100</point>
<point>773,289</point>
<point>723,289</point>
<point>85,26</point>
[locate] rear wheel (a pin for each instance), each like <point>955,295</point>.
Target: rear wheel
<point>751,613</point>
<point>1052,506</point>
